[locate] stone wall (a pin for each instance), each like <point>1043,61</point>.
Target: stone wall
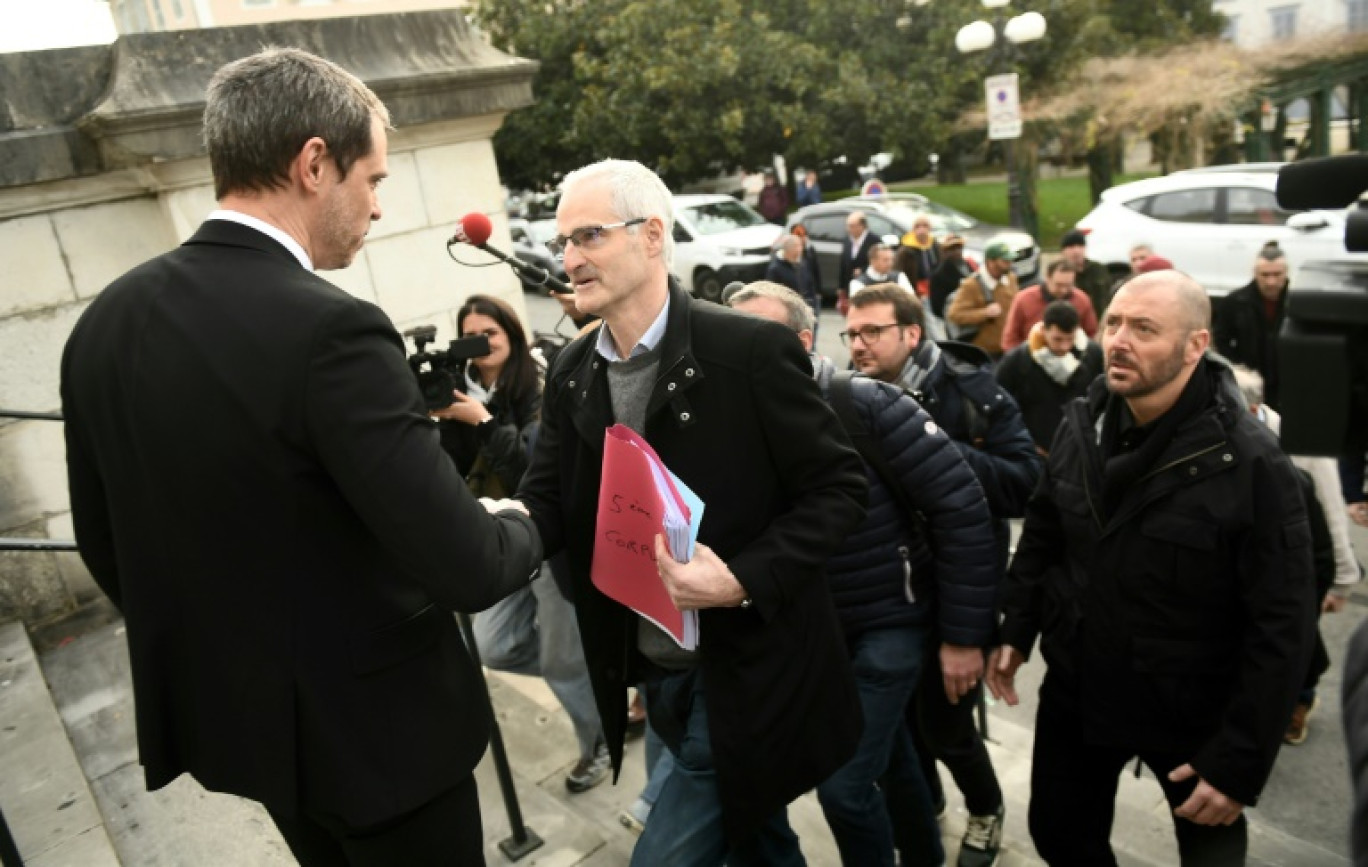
<point>101,168</point>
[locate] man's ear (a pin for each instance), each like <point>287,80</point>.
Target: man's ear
<point>654,230</point>
<point>1197,343</point>
<point>311,164</point>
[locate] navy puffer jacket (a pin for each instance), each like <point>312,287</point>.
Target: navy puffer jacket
<point>883,562</point>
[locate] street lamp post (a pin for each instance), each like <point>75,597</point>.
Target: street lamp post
<point>980,36</point>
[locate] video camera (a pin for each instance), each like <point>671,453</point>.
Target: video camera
<point>1323,346</point>
<point>439,373</point>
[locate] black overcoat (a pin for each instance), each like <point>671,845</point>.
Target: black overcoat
<point>736,414</point>
<point>256,485</point>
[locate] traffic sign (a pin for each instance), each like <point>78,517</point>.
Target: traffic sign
<point>873,187</point>
<point>1004,106</point>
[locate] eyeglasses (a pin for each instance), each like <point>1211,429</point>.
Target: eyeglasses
<point>870,334</point>
<point>586,237</point>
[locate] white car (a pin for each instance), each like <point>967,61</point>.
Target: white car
<point>717,240</point>
<point>1211,223</point>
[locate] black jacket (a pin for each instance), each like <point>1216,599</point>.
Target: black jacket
<point>287,572</point>
<point>950,273</point>
<point>1354,710</point>
<point>961,394</point>
<point>950,563</point>
<point>502,442</point>
<point>1242,333</point>
<point>736,414</point>
<point>797,277</point>
<point>852,259</point>
<point>1183,619</point>
<point>1040,396</point>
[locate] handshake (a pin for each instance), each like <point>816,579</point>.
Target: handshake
<point>495,506</point>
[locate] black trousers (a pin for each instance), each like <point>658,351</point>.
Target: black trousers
<point>946,732</point>
<point>1073,795</point>
<point>445,831</point>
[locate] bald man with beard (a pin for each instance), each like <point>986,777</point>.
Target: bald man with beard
<point>1165,564</point>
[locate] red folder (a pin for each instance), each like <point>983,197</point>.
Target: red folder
<point>638,500</point>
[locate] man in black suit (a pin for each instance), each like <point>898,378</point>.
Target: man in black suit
<point>854,252</point>
<point>256,485</point>
<point>766,707</point>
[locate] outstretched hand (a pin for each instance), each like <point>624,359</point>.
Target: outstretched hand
<point>1002,668</point>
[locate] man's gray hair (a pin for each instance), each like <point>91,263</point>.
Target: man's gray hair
<point>259,112</point>
<point>636,193</point>
<point>800,315</point>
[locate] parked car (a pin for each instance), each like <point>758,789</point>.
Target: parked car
<point>529,245</point>
<point>1211,223</point>
<point>718,240</point>
<point>891,216</point>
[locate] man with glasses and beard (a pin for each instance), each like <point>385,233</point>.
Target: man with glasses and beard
<point>954,383</point>
<point>1166,565</point>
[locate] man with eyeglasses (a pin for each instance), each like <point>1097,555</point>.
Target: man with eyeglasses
<point>893,587</point>
<point>765,708</point>
<point>954,383</point>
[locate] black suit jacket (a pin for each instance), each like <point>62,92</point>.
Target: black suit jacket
<point>852,259</point>
<point>736,414</point>
<point>256,485</point>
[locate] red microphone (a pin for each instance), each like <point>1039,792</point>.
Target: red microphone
<point>474,229</point>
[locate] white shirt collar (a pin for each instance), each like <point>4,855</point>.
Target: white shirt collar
<point>856,242</point>
<point>648,341</point>
<point>265,228</point>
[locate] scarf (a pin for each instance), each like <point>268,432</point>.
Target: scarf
<point>1129,452</point>
<point>919,365</point>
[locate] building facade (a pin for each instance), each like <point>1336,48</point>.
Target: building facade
<point>1254,23</point>
<point>102,167</point>
<point>150,16</point>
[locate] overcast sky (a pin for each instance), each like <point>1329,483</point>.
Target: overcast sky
<point>29,25</point>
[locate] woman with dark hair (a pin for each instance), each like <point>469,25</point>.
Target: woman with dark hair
<point>486,427</point>
<point>486,431</point>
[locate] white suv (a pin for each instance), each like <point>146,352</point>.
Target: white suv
<point>1211,223</point>
<point>717,240</point>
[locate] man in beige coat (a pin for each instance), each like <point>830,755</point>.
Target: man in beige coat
<point>979,307</point>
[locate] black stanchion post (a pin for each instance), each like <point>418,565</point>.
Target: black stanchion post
<point>9,852</point>
<point>983,711</point>
<point>524,839</point>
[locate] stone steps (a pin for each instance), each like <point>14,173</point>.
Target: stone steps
<point>47,802</point>
<point>52,743</point>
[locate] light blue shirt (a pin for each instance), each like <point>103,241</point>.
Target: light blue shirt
<point>265,228</point>
<point>648,341</point>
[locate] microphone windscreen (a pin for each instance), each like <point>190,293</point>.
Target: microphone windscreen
<point>477,228</point>
<point>1325,182</point>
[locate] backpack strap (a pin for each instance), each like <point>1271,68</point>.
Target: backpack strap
<point>841,397</point>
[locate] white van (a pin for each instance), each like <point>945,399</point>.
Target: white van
<point>717,240</point>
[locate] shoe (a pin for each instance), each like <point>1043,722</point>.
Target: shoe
<point>1297,729</point>
<point>588,773</point>
<point>982,840</point>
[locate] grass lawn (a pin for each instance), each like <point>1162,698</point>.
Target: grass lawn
<point>1063,201</point>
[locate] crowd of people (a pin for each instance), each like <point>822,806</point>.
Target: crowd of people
<point>291,638</point>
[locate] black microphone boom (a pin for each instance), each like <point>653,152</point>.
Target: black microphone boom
<point>1325,182</point>
<point>530,273</point>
